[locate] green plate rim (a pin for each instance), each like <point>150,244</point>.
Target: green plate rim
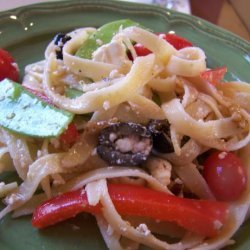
<point>170,15</point>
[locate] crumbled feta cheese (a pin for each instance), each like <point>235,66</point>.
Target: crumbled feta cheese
<point>112,137</point>
<point>132,144</point>
<point>222,155</point>
<point>110,230</point>
<point>106,105</point>
<point>217,225</point>
<point>99,42</point>
<point>143,229</point>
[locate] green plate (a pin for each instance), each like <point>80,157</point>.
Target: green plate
<point>26,31</point>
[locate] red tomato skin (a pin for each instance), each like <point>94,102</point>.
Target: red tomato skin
<point>214,76</point>
<point>225,175</point>
<point>141,50</point>
<point>70,135</point>
<point>7,67</point>
<point>176,41</point>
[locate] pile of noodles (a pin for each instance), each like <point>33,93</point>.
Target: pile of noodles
<point>213,117</point>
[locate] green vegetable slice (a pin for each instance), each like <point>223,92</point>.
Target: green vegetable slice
<point>23,113</point>
<point>72,93</point>
<point>102,36</point>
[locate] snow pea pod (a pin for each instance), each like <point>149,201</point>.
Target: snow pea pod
<point>73,93</point>
<point>24,113</point>
<point>102,36</point>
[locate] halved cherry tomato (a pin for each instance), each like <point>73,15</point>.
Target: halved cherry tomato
<point>197,216</point>
<point>70,135</point>
<point>8,67</point>
<point>225,175</point>
<point>214,76</point>
<point>177,41</point>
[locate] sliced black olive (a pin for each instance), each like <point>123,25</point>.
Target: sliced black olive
<point>59,40</point>
<point>160,130</point>
<point>161,136</point>
<point>125,144</point>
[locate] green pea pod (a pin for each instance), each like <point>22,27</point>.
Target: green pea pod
<point>73,93</point>
<point>102,36</point>
<point>24,113</point>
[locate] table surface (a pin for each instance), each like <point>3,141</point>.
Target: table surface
<point>228,18</point>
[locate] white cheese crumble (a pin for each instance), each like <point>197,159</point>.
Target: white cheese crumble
<point>143,229</point>
<point>132,144</point>
<point>99,42</point>
<point>222,155</point>
<point>217,225</point>
<point>110,230</point>
<point>106,105</point>
<point>112,137</point>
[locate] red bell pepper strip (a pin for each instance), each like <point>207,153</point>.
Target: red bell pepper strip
<point>199,216</point>
<point>177,41</point>
<point>214,76</point>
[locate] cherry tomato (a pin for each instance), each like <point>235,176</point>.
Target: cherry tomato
<point>225,175</point>
<point>177,41</point>
<point>141,50</point>
<point>8,67</point>
<point>214,75</point>
<point>70,135</point>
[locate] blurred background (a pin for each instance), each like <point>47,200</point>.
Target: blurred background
<point>233,15</point>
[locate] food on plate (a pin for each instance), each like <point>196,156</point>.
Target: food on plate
<point>132,127</point>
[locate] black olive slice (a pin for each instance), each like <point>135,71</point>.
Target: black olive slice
<point>59,40</point>
<point>125,144</point>
<point>160,130</point>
